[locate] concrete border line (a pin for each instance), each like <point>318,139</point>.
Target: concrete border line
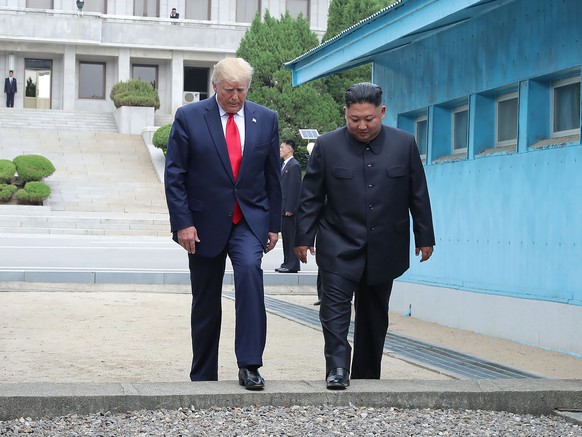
<point>518,396</point>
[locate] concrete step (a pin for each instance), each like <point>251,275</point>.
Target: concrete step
<point>44,220</point>
<point>55,119</point>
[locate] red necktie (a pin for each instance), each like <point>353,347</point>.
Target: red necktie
<point>235,154</point>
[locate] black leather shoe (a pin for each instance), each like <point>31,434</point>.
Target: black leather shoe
<point>338,379</point>
<point>250,379</point>
<point>285,270</point>
<point>317,302</point>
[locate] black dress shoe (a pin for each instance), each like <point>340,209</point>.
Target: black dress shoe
<point>317,302</point>
<point>285,270</point>
<point>250,379</point>
<point>338,379</point>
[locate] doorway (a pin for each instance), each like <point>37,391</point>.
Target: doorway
<point>37,81</point>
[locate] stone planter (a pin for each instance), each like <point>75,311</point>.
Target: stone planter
<point>132,119</point>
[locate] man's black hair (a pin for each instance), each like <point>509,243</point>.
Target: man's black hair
<point>363,92</point>
<point>290,143</point>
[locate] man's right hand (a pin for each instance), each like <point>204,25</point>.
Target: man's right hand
<point>187,238</point>
<point>301,252</point>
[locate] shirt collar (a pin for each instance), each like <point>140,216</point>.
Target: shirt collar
<point>222,112</point>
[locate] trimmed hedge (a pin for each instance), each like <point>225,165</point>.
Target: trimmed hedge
<point>7,191</point>
<point>7,171</point>
<point>33,167</point>
<point>134,92</point>
<point>161,137</point>
<point>33,192</point>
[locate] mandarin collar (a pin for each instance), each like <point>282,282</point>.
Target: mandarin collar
<point>359,146</point>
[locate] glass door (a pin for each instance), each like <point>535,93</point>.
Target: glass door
<point>37,83</point>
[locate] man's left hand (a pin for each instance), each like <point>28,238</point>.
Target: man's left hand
<point>426,252</point>
<point>272,241</point>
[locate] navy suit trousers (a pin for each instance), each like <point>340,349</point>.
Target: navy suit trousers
<point>206,275</point>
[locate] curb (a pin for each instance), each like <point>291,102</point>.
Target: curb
<point>537,397</point>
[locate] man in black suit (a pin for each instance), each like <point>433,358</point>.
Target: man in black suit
<point>10,89</point>
<point>223,188</point>
<point>174,14</point>
<point>290,187</point>
<point>362,183</point>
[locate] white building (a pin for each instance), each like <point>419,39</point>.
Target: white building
<point>68,59</point>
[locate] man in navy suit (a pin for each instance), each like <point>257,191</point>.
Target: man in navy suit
<point>10,89</point>
<point>290,186</point>
<point>224,204</point>
<point>362,183</point>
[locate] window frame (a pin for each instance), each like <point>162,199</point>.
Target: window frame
<point>189,6</point>
<point>455,110</point>
<point>513,95</point>
<point>559,84</point>
<point>240,19</point>
<point>154,66</point>
<point>104,64</point>
<point>417,121</point>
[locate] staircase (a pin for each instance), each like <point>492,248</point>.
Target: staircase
<point>54,119</point>
<point>104,183</point>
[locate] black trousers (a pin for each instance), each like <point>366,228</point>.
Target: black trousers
<point>10,100</point>
<point>370,325</point>
<point>290,260</point>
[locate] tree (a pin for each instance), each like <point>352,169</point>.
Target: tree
<point>267,45</point>
<point>341,15</point>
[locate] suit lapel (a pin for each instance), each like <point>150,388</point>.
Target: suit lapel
<point>214,124</point>
<point>250,138</point>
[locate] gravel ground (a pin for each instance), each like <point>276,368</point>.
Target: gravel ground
<point>296,421</point>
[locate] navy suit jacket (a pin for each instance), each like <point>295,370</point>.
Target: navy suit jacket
<point>357,199</point>
<point>200,186</point>
<point>8,88</point>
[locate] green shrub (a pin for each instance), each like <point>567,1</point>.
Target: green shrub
<point>6,191</point>
<point>134,92</point>
<point>7,171</point>
<point>33,192</point>
<point>33,167</point>
<point>161,136</point>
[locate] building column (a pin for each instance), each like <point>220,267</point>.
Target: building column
<point>124,65</point>
<point>177,75</point>
<point>69,71</point>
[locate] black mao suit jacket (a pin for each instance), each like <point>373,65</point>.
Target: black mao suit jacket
<point>357,198</point>
<point>200,185</point>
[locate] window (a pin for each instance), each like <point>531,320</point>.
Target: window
<point>460,128</point>
<point>421,134</point>
<point>246,10</point>
<point>92,80</point>
<point>146,8</point>
<point>149,73</point>
<point>196,80</point>
<point>506,119</point>
<point>197,10</point>
<point>296,7</point>
<point>566,107</point>
<point>39,4</point>
<point>96,6</point>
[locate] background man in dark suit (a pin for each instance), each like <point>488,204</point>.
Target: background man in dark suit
<point>222,203</point>
<point>174,14</point>
<point>10,89</point>
<point>362,181</point>
<point>290,186</point>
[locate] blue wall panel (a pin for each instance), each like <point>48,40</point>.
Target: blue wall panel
<point>508,224</point>
<point>520,40</point>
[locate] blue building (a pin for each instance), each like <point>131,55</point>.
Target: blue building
<point>491,90</point>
